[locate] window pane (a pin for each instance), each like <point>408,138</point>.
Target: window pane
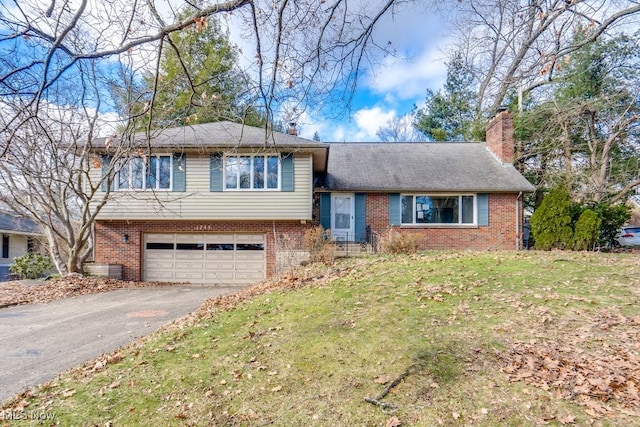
<point>231,172</point>
<point>152,182</point>
<point>137,172</point>
<point>245,172</point>
<point>272,172</point>
<point>219,246</point>
<point>189,246</point>
<point>407,209</point>
<point>258,172</point>
<point>444,210</point>
<point>164,172</point>
<point>250,246</point>
<point>123,176</point>
<point>424,210</point>
<point>467,209</point>
<point>160,246</point>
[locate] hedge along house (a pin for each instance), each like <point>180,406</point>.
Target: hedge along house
<point>208,204</point>
<point>455,195</point>
<point>213,203</point>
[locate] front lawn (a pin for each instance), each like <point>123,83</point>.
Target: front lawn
<point>454,338</point>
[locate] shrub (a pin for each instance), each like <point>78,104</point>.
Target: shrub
<point>587,231</point>
<point>317,241</point>
<point>30,266</point>
<point>398,243</point>
<point>551,222</point>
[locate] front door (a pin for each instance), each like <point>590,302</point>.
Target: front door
<point>342,216</point>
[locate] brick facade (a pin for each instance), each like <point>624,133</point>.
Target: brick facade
<point>111,249</point>
<point>502,232</point>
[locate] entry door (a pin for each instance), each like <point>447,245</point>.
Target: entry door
<point>342,216</point>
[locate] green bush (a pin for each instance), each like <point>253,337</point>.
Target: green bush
<point>587,231</point>
<point>30,266</point>
<point>551,222</point>
<point>613,218</point>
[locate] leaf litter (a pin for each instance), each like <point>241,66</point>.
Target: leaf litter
<point>597,366</point>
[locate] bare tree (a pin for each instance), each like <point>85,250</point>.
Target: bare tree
<point>518,45</point>
<point>399,129</point>
<point>60,62</point>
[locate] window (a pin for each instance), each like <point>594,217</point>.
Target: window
<point>260,172</point>
<point>5,246</point>
<point>153,172</point>
<point>423,209</point>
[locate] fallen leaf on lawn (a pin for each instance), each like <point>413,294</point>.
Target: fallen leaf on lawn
<point>567,419</point>
<point>68,392</point>
<point>382,379</point>
<point>277,388</point>
<point>455,415</point>
<point>115,384</point>
<point>394,422</point>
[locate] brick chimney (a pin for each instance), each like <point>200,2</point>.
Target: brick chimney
<point>292,130</point>
<point>500,138</point>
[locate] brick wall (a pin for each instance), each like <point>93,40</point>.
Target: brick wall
<point>501,233</point>
<point>110,248</point>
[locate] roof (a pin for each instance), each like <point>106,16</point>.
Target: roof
<point>16,225</point>
<point>420,166</point>
<point>220,135</point>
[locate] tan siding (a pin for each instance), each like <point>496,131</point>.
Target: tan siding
<point>199,203</point>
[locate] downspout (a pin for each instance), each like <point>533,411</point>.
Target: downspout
<point>518,224</point>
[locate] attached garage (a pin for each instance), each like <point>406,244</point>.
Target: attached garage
<point>204,258</point>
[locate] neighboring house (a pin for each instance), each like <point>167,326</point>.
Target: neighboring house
<point>18,238</point>
<point>214,203</point>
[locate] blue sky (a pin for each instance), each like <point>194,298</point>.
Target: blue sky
<point>397,84</point>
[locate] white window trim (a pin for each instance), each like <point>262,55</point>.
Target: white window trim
<point>441,224</point>
<point>144,174</point>
<point>251,156</point>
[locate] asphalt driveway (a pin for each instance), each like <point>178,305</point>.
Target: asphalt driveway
<point>41,340</point>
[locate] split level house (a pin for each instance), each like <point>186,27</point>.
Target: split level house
<point>19,236</point>
<point>221,202</point>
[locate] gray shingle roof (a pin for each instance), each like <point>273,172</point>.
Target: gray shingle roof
<point>435,167</point>
<point>13,224</point>
<point>217,134</point>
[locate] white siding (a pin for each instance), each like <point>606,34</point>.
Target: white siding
<point>17,247</point>
<point>198,203</point>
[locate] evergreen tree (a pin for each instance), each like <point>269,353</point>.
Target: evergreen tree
<point>551,222</point>
<point>449,114</point>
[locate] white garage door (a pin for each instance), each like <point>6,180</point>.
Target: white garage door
<point>204,258</point>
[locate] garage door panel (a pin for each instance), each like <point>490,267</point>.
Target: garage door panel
<point>222,265</point>
<point>160,255</point>
<point>249,255</point>
<point>161,276</point>
<point>220,256</point>
<point>191,276</point>
<point>221,276</point>
<point>189,255</point>
<point>186,265</point>
<point>160,238</point>
<point>205,258</point>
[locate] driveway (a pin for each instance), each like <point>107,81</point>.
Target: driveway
<point>41,340</point>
